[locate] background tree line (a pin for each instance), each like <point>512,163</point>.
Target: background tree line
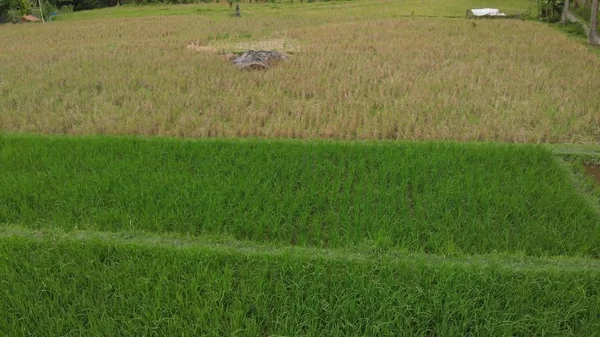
<point>79,5</point>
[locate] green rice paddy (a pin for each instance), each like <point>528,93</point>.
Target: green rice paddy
<point>97,284</point>
<point>103,236</point>
<point>419,197</point>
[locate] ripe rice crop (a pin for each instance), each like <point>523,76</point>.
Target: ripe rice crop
<point>423,197</point>
<point>403,78</point>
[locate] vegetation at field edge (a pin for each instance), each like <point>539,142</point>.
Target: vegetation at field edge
<point>356,8</point>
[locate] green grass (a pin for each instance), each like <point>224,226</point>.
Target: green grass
<point>350,9</point>
<point>584,13</point>
<point>421,197</point>
<point>65,284</point>
<point>576,32</point>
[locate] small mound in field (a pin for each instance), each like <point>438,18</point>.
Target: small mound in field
<point>258,60</point>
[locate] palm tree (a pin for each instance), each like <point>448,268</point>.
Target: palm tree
<point>593,36</point>
<point>565,13</point>
<point>41,11</point>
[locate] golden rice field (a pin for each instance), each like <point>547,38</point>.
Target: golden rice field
<point>411,78</point>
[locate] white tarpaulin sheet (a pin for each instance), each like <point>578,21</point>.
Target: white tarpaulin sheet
<point>487,12</point>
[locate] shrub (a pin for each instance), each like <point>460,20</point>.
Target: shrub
<point>79,5</point>
<point>550,10</point>
<point>6,5</point>
<point>24,7</point>
<point>13,16</point>
<point>36,12</point>
<point>15,8</point>
<point>66,9</point>
<point>47,9</point>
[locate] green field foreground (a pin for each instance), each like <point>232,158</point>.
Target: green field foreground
<point>103,236</point>
<point>99,284</point>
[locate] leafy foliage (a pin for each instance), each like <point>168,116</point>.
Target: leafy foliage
<point>17,7</point>
<point>79,5</point>
<point>550,10</point>
<point>13,16</point>
<point>94,285</point>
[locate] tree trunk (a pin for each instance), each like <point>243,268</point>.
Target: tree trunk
<point>593,37</point>
<point>41,11</point>
<point>565,18</point>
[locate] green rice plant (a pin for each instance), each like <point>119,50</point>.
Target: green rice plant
<point>60,285</point>
<point>423,197</point>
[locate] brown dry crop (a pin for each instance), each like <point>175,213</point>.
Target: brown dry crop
<point>403,78</point>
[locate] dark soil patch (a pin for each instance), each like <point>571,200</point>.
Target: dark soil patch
<point>593,171</point>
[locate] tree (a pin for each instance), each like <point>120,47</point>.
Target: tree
<point>41,11</point>
<point>565,13</point>
<point>593,36</point>
<point>22,6</point>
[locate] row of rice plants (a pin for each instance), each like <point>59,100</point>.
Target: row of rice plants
<point>424,197</point>
<point>73,285</point>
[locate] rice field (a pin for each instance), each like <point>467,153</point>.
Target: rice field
<point>368,186</point>
<point>71,284</point>
<point>351,76</point>
<point>129,236</point>
<point>420,197</point>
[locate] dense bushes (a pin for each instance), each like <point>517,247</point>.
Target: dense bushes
<point>13,10</point>
<point>80,5</point>
<point>12,7</point>
<point>550,10</point>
